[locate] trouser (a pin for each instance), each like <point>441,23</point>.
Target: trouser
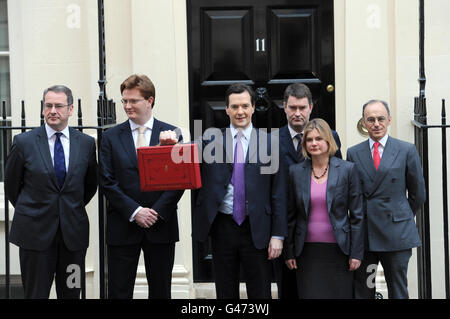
<point>39,268</point>
<point>395,266</point>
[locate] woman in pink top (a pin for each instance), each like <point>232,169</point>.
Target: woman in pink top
<point>325,233</point>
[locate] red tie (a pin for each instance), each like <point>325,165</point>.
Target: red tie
<point>376,155</point>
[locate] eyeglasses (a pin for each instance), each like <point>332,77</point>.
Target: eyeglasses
<point>131,101</point>
<point>380,119</point>
<point>57,106</point>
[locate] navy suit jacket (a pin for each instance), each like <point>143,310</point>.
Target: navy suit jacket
<point>40,205</point>
<point>119,179</point>
<point>345,207</point>
<point>265,193</point>
<point>390,210</point>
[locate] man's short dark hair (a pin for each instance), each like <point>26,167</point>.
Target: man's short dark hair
<point>237,88</point>
<point>299,91</point>
<point>376,101</point>
<point>60,89</point>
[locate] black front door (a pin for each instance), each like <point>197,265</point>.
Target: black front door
<point>267,44</point>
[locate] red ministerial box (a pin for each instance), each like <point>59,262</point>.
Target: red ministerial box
<point>172,167</point>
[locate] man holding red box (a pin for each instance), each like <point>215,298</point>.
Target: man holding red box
<point>242,202</point>
<point>137,220</point>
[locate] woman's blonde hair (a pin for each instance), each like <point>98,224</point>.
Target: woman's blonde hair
<point>324,131</point>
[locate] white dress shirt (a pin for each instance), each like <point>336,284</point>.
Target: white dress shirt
<point>381,147</point>
<point>65,141</point>
<point>226,206</point>
<point>148,135</point>
<point>148,132</point>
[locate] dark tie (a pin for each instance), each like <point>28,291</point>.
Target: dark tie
<point>59,161</point>
<point>376,155</point>
<point>299,146</point>
<point>238,181</point>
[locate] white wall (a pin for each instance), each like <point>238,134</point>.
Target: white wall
<point>376,50</point>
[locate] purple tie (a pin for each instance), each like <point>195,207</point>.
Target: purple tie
<point>238,181</point>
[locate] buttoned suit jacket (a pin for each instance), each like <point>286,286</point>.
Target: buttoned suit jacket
<point>344,203</point>
<point>40,206</point>
<point>392,194</point>
<point>120,182</point>
<point>265,194</point>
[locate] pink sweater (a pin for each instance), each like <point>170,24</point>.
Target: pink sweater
<point>319,225</point>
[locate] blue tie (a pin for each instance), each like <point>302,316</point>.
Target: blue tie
<point>59,161</point>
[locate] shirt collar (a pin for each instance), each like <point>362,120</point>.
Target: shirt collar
<point>382,141</point>
<point>247,132</point>
<point>293,132</point>
<point>50,131</point>
<point>148,125</point>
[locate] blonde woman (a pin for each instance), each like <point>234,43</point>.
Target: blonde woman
<point>325,234</point>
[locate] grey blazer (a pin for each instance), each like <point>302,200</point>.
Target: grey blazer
<point>344,200</point>
<point>389,209</point>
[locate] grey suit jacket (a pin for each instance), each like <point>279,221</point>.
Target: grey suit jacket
<point>392,194</point>
<point>344,200</point>
<point>40,205</point>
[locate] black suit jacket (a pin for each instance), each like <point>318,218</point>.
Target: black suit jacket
<point>265,193</point>
<point>345,207</point>
<point>287,146</point>
<point>40,205</point>
<point>119,179</point>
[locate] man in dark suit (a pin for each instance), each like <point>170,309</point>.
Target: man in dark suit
<point>393,189</point>
<point>50,175</point>
<point>259,238</point>
<point>242,202</point>
<point>137,220</point>
<point>298,105</point>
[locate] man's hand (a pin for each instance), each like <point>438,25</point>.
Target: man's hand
<point>291,264</point>
<point>146,217</point>
<point>168,138</point>
<point>275,248</point>
<point>354,264</point>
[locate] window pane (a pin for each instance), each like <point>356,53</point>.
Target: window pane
<point>4,85</point>
<point>4,46</point>
<point>4,96</point>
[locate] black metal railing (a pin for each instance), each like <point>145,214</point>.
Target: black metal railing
<point>106,118</point>
<point>421,133</point>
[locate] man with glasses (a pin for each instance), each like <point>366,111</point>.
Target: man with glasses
<point>137,220</point>
<point>393,189</point>
<point>50,176</point>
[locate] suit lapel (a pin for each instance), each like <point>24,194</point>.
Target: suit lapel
<point>126,138</point>
<point>390,153</point>
<point>366,160</point>
<point>228,148</point>
<point>74,151</point>
<point>306,184</point>
<point>156,129</point>
<point>288,145</point>
<point>252,152</point>
<point>42,142</point>
<point>332,181</point>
